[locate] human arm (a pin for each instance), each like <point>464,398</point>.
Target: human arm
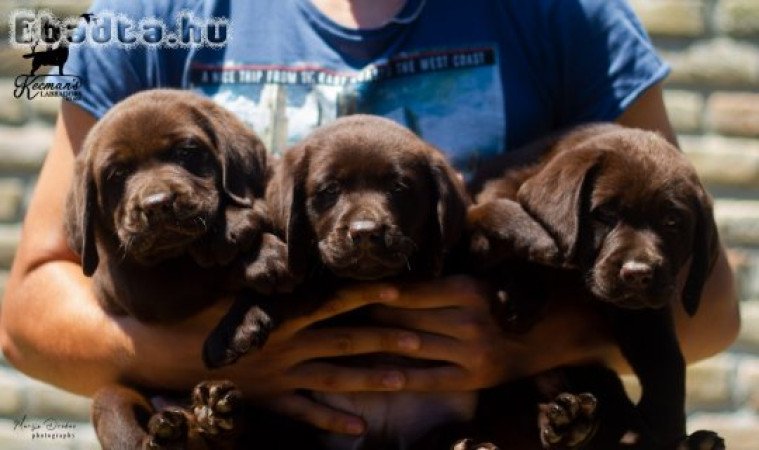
<point>52,327</point>
<point>570,332</point>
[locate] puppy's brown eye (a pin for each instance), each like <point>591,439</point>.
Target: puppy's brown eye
<point>400,186</point>
<point>606,215</point>
<point>330,188</point>
<point>116,173</point>
<point>671,221</point>
<point>192,157</point>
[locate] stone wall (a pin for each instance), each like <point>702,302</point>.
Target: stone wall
<point>713,100</point>
<point>712,97</point>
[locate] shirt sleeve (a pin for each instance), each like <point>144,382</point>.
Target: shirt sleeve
<point>110,72</point>
<point>605,59</point>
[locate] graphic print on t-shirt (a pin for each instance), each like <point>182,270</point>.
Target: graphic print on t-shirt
<point>451,98</point>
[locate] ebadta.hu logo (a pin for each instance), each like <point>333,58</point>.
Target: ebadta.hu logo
<point>49,40</point>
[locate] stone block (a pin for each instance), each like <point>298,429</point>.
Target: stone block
<point>748,382</point>
<point>734,113</point>
<point>716,62</point>
<point>709,383</point>
<point>24,148</point>
<point>11,198</point>
<point>11,392</point>
<point>13,111</point>
<point>45,108</point>
<point>3,281</point>
<point>685,109</point>
<point>9,237</point>
<point>724,161</point>
<point>748,338</point>
<point>12,63</point>
<point>671,17</point>
<point>738,17</point>
<point>749,281</point>
<point>738,221</point>
<point>43,400</point>
<point>740,260</point>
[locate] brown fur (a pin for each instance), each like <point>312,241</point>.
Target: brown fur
<point>625,209</point>
<point>166,211</point>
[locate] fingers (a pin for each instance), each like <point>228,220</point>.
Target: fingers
<point>453,291</point>
<point>325,377</point>
<point>336,342</point>
<point>347,299</point>
<point>435,379</point>
<point>453,322</point>
<point>319,416</point>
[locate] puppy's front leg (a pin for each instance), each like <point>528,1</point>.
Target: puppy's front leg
<point>648,341</point>
<point>239,231</point>
<point>501,230</point>
<point>244,327</point>
<point>268,271</point>
<point>125,419</point>
<point>119,415</point>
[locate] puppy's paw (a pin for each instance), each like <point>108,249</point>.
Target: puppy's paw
<point>223,348</point>
<point>216,405</point>
<point>244,227</point>
<point>567,422</point>
<point>502,230</point>
<point>167,430</point>
<point>268,273</point>
<point>702,440</point>
<point>239,231</point>
<point>470,444</point>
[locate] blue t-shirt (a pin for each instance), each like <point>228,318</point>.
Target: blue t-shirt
<point>474,78</point>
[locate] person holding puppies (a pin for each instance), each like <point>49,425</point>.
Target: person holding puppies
<point>475,79</point>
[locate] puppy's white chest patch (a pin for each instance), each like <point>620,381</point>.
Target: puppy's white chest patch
<point>397,420</point>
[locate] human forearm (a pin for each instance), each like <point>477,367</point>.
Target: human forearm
<point>717,322</point>
<point>53,329</point>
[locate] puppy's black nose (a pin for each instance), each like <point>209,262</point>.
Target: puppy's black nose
<point>157,205</point>
<point>636,274</point>
<point>365,233</point>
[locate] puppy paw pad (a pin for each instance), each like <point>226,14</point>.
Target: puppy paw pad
<point>216,405</point>
<point>568,421</point>
<point>165,428</point>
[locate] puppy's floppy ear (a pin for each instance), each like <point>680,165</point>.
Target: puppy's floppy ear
<point>286,198</point>
<point>704,254</point>
<point>80,214</point>
<point>240,154</point>
<point>559,194</point>
<point>451,203</point>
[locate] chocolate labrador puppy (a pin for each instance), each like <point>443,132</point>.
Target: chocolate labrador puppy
<point>365,199</point>
<point>625,212</point>
<point>167,213</point>
<point>361,199</point>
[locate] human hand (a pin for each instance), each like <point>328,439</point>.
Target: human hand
<point>446,320</point>
<point>453,319</point>
<point>168,356</point>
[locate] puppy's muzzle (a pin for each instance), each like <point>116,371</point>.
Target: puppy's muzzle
<point>636,275</point>
<point>367,234</point>
<point>158,207</point>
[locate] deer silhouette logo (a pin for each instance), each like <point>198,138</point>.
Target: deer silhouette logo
<point>53,56</point>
